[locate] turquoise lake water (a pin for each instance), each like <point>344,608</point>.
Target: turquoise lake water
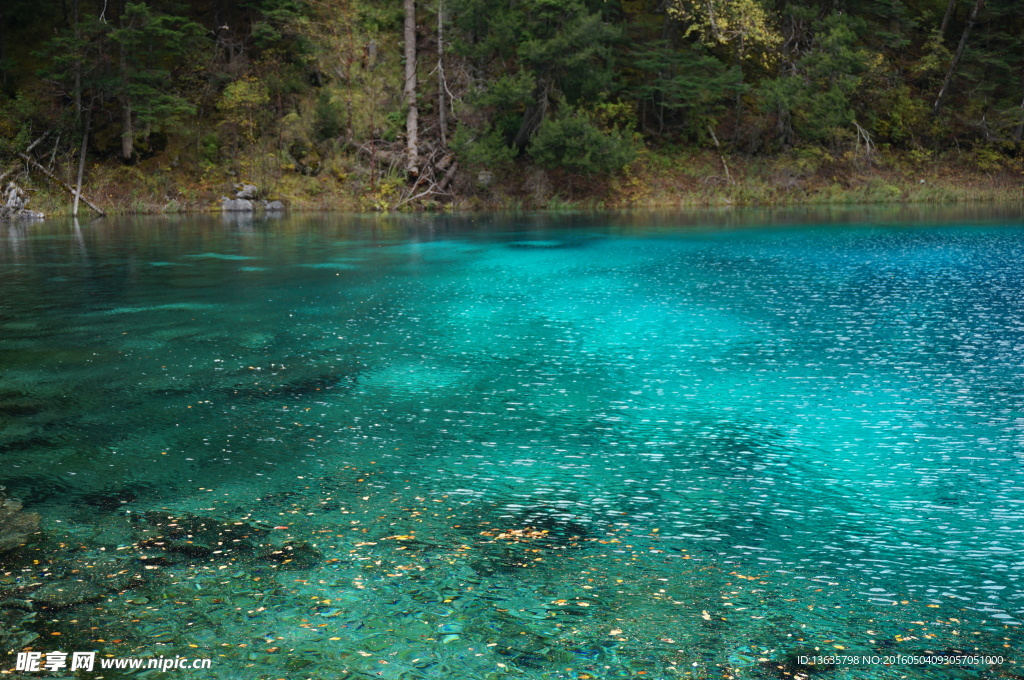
<point>578,446</point>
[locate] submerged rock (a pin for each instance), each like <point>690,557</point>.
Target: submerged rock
<point>16,617</point>
<point>62,594</point>
<point>112,498</point>
<point>20,406</point>
<point>192,537</point>
<point>298,384</point>
<point>15,524</point>
<point>197,536</point>
<point>291,554</point>
<point>110,573</point>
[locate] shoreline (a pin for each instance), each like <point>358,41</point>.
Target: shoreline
<point>655,181</point>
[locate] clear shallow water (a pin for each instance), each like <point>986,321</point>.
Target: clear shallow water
<point>537,447</point>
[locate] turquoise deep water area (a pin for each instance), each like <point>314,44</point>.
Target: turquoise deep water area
<point>538,446</point>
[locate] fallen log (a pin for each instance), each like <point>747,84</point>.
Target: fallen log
<point>448,176</point>
<point>28,159</point>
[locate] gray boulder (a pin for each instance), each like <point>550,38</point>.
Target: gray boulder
<point>236,204</point>
<point>247,191</point>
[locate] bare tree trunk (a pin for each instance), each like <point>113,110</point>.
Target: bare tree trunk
<point>127,129</point>
<point>412,118</point>
<point>947,16</point>
<point>956,57</point>
<point>441,84</point>
<point>53,154</point>
<point>81,166</point>
<point>78,59</point>
<point>3,47</point>
<point>534,115</point>
<point>721,155</point>
<point>1020,126</point>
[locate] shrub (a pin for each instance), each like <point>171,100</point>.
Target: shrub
<point>487,149</point>
<point>575,142</point>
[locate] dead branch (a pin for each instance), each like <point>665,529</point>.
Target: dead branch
<point>720,154</point>
<point>3,175</point>
<point>33,163</point>
<point>28,149</point>
<point>33,145</point>
<point>53,156</point>
<point>864,137</point>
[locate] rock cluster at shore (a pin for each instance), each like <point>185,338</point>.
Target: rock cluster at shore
<point>247,199</point>
<point>13,202</point>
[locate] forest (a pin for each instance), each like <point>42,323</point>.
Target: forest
<point>162,106</point>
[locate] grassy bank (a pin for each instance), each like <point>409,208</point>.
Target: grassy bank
<point>676,179</point>
<point>664,179</point>
<point>815,177</point>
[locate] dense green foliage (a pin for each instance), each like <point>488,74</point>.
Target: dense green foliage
<point>580,86</point>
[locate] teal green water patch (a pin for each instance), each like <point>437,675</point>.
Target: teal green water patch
<point>169,307</point>
<point>610,447</point>
<point>221,256</point>
<point>331,265</point>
